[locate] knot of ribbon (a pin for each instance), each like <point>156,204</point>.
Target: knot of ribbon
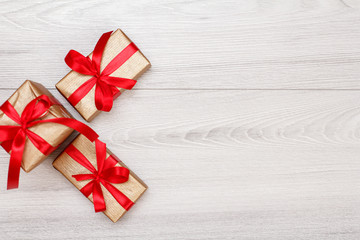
<point>105,85</point>
<point>106,174</point>
<point>13,137</point>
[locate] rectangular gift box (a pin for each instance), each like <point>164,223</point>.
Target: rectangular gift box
<point>52,133</point>
<point>133,68</point>
<point>133,188</point>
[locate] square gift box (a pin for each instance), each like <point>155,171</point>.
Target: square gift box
<point>79,164</point>
<point>80,88</point>
<point>53,133</point>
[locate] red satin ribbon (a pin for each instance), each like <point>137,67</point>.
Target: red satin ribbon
<point>13,137</point>
<point>106,174</point>
<point>105,90</point>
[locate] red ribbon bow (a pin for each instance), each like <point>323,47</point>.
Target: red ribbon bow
<point>106,174</point>
<point>105,90</point>
<point>13,137</point>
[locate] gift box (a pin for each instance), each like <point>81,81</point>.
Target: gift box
<point>100,176</point>
<point>32,125</point>
<point>95,81</point>
<point>52,133</point>
<point>30,142</point>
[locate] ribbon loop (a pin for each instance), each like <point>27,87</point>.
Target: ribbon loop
<point>35,109</point>
<point>116,175</point>
<point>77,62</point>
<point>10,111</point>
<point>106,86</point>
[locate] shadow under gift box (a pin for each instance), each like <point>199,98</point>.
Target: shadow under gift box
<point>133,189</point>
<point>52,133</point>
<point>133,68</point>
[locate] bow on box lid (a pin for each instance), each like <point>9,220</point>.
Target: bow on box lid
<point>98,79</point>
<point>106,174</point>
<point>105,85</point>
<point>100,176</point>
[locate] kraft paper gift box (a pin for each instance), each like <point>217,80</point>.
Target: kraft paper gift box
<point>67,164</point>
<point>132,68</point>
<point>52,133</point>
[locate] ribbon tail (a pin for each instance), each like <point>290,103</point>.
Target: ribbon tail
<point>15,160</point>
<point>7,133</point>
<point>98,198</point>
<point>121,198</point>
<point>77,62</point>
<point>87,189</point>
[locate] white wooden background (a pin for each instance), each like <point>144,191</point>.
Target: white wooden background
<point>246,127</point>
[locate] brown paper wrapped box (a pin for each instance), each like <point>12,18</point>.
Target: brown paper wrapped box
<point>133,188</point>
<point>53,133</point>
<point>133,68</point>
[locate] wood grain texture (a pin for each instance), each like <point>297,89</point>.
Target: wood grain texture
<point>246,165</point>
<point>192,44</point>
<point>247,126</point>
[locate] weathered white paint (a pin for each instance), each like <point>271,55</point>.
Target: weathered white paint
<point>246,127</point>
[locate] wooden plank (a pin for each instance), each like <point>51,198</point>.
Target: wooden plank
<point>219,165</point>
<point>228,150</point>
<point>192,44</point>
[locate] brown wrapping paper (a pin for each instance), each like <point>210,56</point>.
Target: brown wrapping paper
<point>133,69</point>
<point>53,133</point>
<point>133,188</point>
